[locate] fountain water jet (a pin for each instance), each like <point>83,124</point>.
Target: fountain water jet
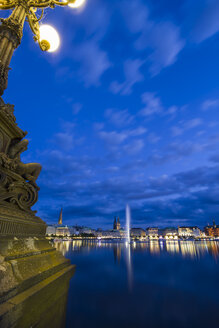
<point>128,221</point>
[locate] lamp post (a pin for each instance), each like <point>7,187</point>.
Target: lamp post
<point>11,28</point>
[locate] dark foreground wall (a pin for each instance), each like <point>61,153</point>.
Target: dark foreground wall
<point>34,281</point>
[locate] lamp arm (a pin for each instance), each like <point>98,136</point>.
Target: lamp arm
<point>7,4</point>
<point>60,2</point>
<point>43,4</point>
<point>41,15</point>
<point>49,3</point>
<point>34,23</point>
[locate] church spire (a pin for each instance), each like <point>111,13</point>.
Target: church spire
<point>60,217</point>
<point>118,224</point>
<point>114,223</point>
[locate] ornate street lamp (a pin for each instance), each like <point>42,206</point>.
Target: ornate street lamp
<point>11,29</point>
<point>22,232</point>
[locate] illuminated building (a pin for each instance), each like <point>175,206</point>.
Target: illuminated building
<point>168,233</point>
<point>51,230</point>
<point>109,234</point>
<point>152,233</point>
<point>62,231</point>
<point>116,224</point>
<point>212,230</point>
<point>58,229</point>
<point>189,232</point>
<point>80,230</point>
<point>138,233</point>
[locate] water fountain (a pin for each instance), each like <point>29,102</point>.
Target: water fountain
<point>128,220</point>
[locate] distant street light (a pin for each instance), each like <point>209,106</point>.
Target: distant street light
<point>11,29</point>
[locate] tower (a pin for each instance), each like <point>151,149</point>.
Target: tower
<point>115,223</point>
<point>60,217</point>
<point>118,224</point>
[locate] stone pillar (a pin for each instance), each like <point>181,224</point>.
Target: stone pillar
<point>29,264</point>
<point>11,32</point>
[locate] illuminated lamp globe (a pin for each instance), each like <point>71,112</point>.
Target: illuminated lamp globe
<point>76,3</point>
<point>49,38</point>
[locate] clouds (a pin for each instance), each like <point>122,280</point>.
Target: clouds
<point>205,19</point>
<point>155,41</point>
<point>64,140</point>
<point>191,195</point>
<point>119,118</point>
<point>134,147</point>
<point>113,138</point>
<point>135,119</point>
<point>86,49</point>
<point>166,44</point>
<point>186,125</point>
<point>152,104</point>
<point>192,123</point>
<point>132,76</point>
<point>136,15</point>
<point>119,142</point>
<point>210,104</point>
<point>76,108</point>
<point>125,138</point>
<point>94,62</point>
<point>161,40</point>
<point>128,160</point>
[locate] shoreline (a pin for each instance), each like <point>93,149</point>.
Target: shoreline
<point>123,240</point>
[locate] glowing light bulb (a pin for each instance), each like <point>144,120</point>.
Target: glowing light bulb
<point>49,38</point>
<point>77,3</point>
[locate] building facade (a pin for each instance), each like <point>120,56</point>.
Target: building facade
<point>187,232</point>
<point>116,224</point>
<point>168,233</point>
<point>137,233</point>
<point>152,232</point>
<point>212,230</point>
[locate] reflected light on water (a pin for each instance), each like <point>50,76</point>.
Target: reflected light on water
<point>124,251</point>
<point>129,264</point>
<point>156,283</point>
<point>192,249</point>
<point>155,247</point>
<point>172,247</point>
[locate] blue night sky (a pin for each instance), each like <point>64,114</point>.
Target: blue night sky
<point>126,111</point>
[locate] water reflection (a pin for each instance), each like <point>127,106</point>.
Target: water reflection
<point>125,251</point>
<point>117,252</point>
<point>129,264</point>
<point>157,284</point>
<point>192,249</point>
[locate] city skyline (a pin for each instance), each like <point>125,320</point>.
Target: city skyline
<point>118,223</point>
<point>129,108</point>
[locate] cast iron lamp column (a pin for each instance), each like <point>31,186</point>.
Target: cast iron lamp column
<point>11,29</point>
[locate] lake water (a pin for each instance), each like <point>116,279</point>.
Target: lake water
<point>151,284</point>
